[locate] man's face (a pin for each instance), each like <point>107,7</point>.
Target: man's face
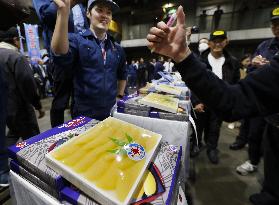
<point>17,42</point>
<point>100,17</point>
<point>275,27</point>
<point>217,45</point>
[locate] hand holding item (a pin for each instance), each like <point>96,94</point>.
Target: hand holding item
<point>41,113</point>
<point>170,41</point>
<point>199,107</point>
<point>259,61</point>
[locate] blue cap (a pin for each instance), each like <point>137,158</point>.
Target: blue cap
<point>112,4</point>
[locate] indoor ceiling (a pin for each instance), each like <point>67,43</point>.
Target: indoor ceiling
<point>18,11</point>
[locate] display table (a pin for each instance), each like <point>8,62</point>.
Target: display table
<point>175,132</point>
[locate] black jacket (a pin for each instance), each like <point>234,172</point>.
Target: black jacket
<point>22,90</point>
<point>230,70</point>
<point>255,95</point>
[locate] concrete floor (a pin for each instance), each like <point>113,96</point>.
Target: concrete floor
<point>220,184</point>
<point>215,184</point>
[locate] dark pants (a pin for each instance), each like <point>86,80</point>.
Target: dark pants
<point>209,124</point>
<point>242,137</point>
<point>62,90</point>
<point>23,125</point>
<point>255,137</point>
<point>271,161</point>
<point>132,80</point>
<point>150,76</point>
<point>141,78</point>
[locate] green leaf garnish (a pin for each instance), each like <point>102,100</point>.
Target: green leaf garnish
<point>113,151</point>
<point>129,138</point>
<point>118,142</point>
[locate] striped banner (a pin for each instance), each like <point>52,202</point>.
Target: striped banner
<point>32,40</point>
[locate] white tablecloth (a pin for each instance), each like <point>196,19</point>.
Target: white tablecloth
<point>25,193</point>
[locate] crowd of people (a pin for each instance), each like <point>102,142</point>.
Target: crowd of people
<point>140,72</point>
<point>84,63</point>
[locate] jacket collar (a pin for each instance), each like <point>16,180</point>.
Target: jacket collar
<point>89,33</point>
<point>8,46</point>
<point>274,43</point>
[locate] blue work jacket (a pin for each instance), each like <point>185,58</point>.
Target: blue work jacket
<point>47,11</point>
<point>95,81</point>
<point>266,49</point>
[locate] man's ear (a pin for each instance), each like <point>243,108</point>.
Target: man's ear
<point>227,42</point>
<point>88,14</point>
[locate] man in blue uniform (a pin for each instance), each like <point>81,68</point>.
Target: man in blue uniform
<point>98,62</point>
<point>253,96</point>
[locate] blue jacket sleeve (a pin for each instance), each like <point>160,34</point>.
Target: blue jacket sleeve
<point>67,60</point>
<point>252,96</point>
<point>46,11</point>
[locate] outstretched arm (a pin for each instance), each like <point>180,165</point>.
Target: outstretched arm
<point>254,95</point>
<point>60,41</point>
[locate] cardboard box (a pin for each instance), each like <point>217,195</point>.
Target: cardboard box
<point>33,179</point>
<point>109,175</point>
<point>162,102</point>
<point>131,102</point>
<point>30,154</point>
<point>74,196</point>
<point>168,161</point>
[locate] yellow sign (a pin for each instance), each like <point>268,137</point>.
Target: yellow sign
<point>113,26</point>
<point>275,12</point>
<point>218,33</point>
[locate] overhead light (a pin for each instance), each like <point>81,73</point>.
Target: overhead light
<point>168,5</point>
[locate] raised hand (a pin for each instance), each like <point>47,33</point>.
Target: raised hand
<point>63,6</point>
<point>170,41</point>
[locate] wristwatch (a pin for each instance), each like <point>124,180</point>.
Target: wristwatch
<point>120,96</point>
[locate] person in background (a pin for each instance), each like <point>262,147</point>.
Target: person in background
<point>159,67</point>
<point>250,97</point>
<point>141,77</point>
<point>203,45</point>
<point>217,17</point>
<point>22,93</point>
<point>226,67</point>
<point>4,169</point>
<point>202,21</point>
<point>150,70</point>
<point>168,65</point>
<point>132,75</point>
<point>97,60</point>
<point>263,55</point>
<point>62,79</point>
<point>242,138</point>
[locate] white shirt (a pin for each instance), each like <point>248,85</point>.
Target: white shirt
<point>216,64</point>
<point>168,66</point>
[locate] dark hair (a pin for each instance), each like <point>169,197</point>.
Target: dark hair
<point>9,35</point>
